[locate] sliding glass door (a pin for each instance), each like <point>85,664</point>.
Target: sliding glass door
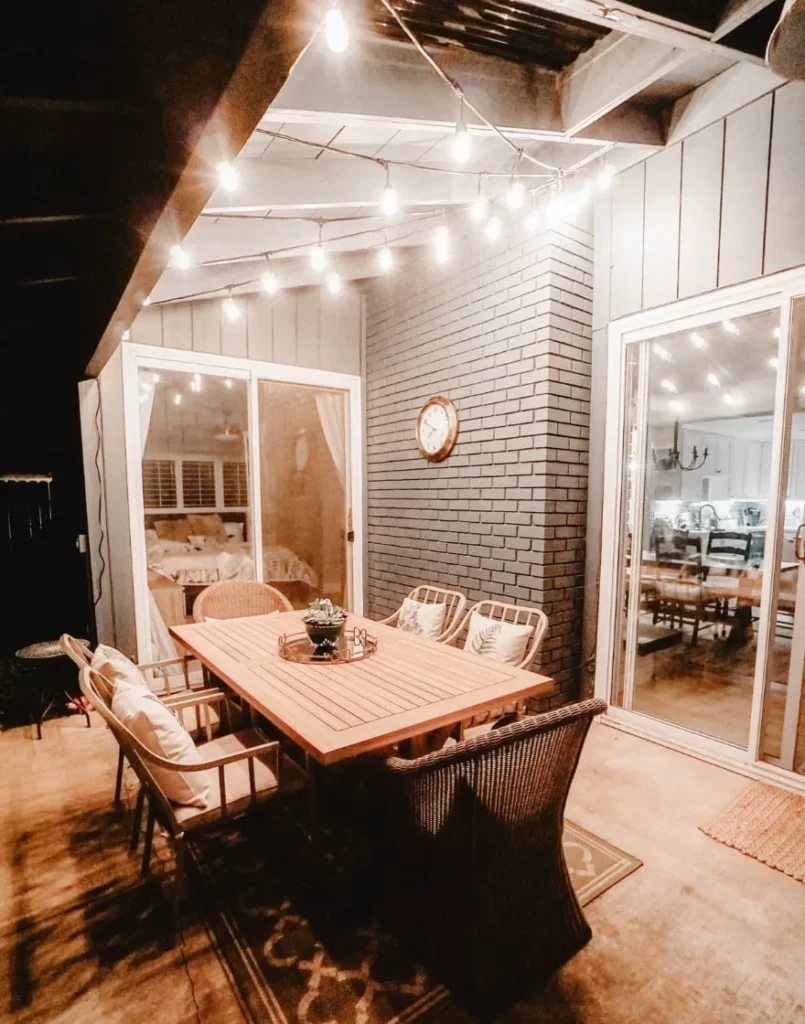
<point>702,613</point>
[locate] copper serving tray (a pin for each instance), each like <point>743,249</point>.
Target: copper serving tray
<point>353,645</point>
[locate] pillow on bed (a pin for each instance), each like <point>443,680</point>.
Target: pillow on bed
<point>151,537</point>
<point>210,526</point>
<point>234,531</point>
<point>173,529</point>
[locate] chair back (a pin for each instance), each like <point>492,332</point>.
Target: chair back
<point>517,615</point>
<point>81,655</point>
<point>427,593</point>
<point>730,543</point>
<point>675,545</point>
<point>235,599</point>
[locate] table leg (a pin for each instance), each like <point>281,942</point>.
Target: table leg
<point>311,769</point>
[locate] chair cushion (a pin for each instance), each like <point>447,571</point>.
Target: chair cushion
<point>503,641</point>
<point>161,732</point>
<point>422,619</point>
<point>115,666</point>
<point>238,790</point>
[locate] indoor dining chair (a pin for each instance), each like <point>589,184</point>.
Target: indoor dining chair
<point>426,593</point>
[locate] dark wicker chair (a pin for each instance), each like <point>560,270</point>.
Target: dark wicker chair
<point>478,881</point>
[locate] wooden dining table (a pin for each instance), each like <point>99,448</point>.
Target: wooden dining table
<point>410,686</point>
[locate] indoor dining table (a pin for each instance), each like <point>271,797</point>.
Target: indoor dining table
<point>411,685</point>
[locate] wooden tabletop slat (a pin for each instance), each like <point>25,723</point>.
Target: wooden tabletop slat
<point>409,686</point>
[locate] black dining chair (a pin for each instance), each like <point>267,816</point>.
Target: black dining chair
<point>734,545</point>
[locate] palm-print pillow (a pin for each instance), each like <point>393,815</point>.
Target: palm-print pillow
<point>422,619</point>
<point>503,641</point>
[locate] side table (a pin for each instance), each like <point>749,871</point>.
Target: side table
<point>45,679</point>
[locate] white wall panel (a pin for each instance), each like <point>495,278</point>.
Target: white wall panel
<point>233,335</point>
<point>743,202</point>
<point>308,303</point>
<point>147,328</point>
<point>700,210</point>
<point>626,284</point>
<point>602,259</point>
<point>260,328</point>
<point>661,230</point>
<point>785,219</point>
<point>206,316</point>
<point>177,326</point>
<point>284,313</point>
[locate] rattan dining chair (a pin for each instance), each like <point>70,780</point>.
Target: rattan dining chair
<point>235,599</point>
<point>81,655</point>
<point>258,770</point>
<point>477,874</point>
<point>426,593</point>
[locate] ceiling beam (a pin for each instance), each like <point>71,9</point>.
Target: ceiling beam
<point>609,74</point>
<point>389,82</point>
<point>736,13</point>
<point>272,50</point>
<point>620,17</point>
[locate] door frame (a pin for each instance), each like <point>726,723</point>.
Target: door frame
<point>775,291</point>
<point>252,371</point>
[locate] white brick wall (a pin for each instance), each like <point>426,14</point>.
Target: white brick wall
<point>505,332</point>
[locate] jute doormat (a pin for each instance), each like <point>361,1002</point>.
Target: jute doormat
<point>765,823</point>
<point>289,962</point>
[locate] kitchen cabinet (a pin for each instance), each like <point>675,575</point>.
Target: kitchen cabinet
<point>736,468</point>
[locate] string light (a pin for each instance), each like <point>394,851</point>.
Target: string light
<point>155,377</point>
<point>269,282</point>
<point>333,283</point>
<point>147,300</point>
<point>389,199</point>
<point>698,341</point>
<point>318,257</point>
<point>441,243</point>
<point>227,176</point>
<point>605,176</point>
<point>336,31</point>
<point>774,362</point>
<point>180,258</point>
<point>177,399</point>
<point>125,335</point>
<point>493,228</point>
<point>195,383</point>
<point>228,383</point>
<point>730,327</point>
<point>515,195</point>
<point>479,208</point>
<point>231,308</point>
<point>461,139</point>
<point>385,258</point>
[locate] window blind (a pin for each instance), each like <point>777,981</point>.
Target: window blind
<point>198,484</point>
<point>159,483</point>
<point>236,485</point>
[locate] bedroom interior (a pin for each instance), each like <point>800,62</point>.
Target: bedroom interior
<point>444,468</point>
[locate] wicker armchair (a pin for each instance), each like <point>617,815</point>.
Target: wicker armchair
<point>478,880</point>
<point>257,771</point>
<point>81,656</point>
<point>234,599</point>
<point>427,594</point>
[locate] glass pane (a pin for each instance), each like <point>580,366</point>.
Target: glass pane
<point>783,726</point>
<point>198,530</point>
<point>706,477</point>
<point>304,483</point>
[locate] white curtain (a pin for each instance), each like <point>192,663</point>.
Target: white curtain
<point>161,644</point>
<point>330,406</point>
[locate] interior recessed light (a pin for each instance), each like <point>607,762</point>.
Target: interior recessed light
<point>668,385</point>
<point>730,327</point>
<point>774,362</point>
<point>713,380</point>
<point>698,341</point>
<point>663,353</point>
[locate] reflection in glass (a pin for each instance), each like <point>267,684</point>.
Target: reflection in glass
<point>304,483</point>
<point>195,477</point>
<point>783,723</point>
<point>704,474</point>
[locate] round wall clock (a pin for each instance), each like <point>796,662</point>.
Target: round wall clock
<point>437,428</point>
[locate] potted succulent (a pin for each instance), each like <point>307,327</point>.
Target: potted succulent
<point>324,622</point>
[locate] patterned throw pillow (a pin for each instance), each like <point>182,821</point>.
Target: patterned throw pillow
<point>422,619</point>
<point>503,641</point>
<point>115,666</point>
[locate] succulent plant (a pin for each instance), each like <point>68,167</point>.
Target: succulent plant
<point>322,612</point>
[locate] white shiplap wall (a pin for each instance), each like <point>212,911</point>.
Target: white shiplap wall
<point>722,206</point>
<point>302,327</point>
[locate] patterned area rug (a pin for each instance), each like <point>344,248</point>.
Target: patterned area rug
<point>765,823</point>
<point>302,950</point>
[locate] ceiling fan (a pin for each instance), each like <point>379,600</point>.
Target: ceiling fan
<point>227,432</point>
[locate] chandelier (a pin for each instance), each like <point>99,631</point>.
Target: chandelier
<point>671,460</point>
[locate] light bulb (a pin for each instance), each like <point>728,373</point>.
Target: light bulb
<point>125,335</point>
<point>335,30</point>
<point>318,258</point>
<point>493,228</point>
<point>195,383</point>
<point>461,144</point>
<point>479,208</point>
<point>776,332</point>
<point>385,258</point>
<point>180,258</point>
<point>177,399</point>
<point>713,380</point>
<point>155,377</point>
<point>231,308</point>
<point>228,383</point>
<point>515,195</point>
<point>663,353</point>
<point>389,201</point>
<point>730,327</point>
<point>269,282</point>
<point>605,176</point>
<point>147,300</point>
<point>698,341</point>
<point>333,283</point>
<point>227,176</point>
<point>668,385</point>
<point>531,223</point>
<point>774,362</point>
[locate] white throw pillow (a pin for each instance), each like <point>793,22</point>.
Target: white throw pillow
<point>115,666</point>
<point>158,729</point>
<point>422,619</point>
<point>503,641</point>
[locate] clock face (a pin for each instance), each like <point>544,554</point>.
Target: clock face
<point>437,429</point>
